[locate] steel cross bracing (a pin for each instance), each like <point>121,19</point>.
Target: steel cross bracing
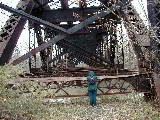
<point>40,41</point>
<point>71,30</point>
<point>11,31</point>
<point>9,34</point>
<point>33,18</point>
<point>140,35</point>
<point>145,41</point>
<point>136,29</point>
<point>95,59</point>
<point>106,85</point>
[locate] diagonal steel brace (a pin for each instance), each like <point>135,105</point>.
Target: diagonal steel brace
<point>72,30</point>
<point>34,19</point>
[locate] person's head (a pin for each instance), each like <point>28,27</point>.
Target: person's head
<point>91,73</point>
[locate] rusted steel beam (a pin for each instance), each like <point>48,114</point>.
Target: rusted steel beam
<point>33,18</point>
<point>65,79</point>
<point>120,84</point>
<point>67,15</point>
<point>74,69</point>
<point>74,29</point>
<point>79,72</point>
<point>43,53</point>
<point>11,31</point>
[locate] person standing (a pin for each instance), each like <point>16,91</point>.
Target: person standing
<point>92,88</point>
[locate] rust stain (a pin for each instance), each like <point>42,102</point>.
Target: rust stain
<point>34,51</point>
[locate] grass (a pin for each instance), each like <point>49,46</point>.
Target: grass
<point>126,107</point>
<point>14,106</point>
<point>32,106</point>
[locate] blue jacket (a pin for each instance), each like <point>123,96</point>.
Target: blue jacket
<point>91,87</point>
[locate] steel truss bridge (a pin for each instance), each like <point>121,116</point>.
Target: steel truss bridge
<point>68,38</point>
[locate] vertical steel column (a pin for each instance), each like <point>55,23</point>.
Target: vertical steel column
<point>122,50</point>
<point>40,41</point>
<point>152,14</point>
<point>29,46</point>
<point>113,41</point>
<point>32,45</point>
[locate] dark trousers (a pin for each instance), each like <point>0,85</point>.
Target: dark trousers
<point>92,96</point>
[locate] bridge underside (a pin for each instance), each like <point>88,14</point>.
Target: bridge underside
<point>65,42</point>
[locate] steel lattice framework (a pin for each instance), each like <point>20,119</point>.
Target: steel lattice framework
<point>107,36</point>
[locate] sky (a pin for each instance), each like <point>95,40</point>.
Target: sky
<point>140,5</point>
